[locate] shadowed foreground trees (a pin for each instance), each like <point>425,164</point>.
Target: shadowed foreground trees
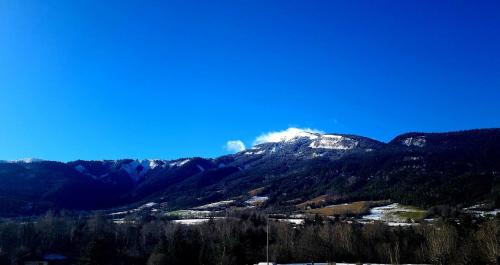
<point>241,239</point>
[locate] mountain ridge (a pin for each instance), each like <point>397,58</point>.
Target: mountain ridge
<point>344,165</point>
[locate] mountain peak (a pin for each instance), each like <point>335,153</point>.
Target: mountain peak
<point>332,141</point>
<point>308,138</point>
<point>287,135</point>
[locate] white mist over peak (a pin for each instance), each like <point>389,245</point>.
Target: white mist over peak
<point>287,135</point>
<point>235,146</point>
<point>293,139</point>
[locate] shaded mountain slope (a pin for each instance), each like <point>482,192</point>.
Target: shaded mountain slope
<point>416,168</point>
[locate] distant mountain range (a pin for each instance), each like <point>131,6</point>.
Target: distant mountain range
<point>422,169</point>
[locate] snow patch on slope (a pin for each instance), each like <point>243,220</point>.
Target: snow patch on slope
<point>335,142</point>
<point>140,208</point>
<point>418,141</point>
<point>136,168</point>
<point>179,163</point>
<point>257,200</point>
<point>200,168</point>
<point>254,151</point>
<point>154,163</point>
<point>214,205</point>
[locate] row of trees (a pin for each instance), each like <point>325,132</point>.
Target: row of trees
<point>241,239</point>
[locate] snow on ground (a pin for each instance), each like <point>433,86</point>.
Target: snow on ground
<point>136,168</point>
<point>179,163</point>
<point>260,152</point>
<point>475,207</point>
<point>191,221</point>
<point>298,216</point>
<point>418,141</point>
<point>254,151</point>
<point>154,163</point>
<point>484,213</point>
<point>200,168</point>
<point>481,210</point>
<point>194,221</point>
<point>400,224</point>
<point>214,205</point>
<point>314,155</point>
<point>257,199</point>
<point>318,138</point>
<point>191,213</point>
<point>142,207</point>
<point>390,214</point>
<point>377,213</point>
<point>292,221</point>
<point>119,213</point>
<point>121,221</point>
<point>147,205</point>
<point>335,142</point>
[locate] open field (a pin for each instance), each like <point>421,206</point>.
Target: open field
<point>313,202</point>
<point>396,213</point>
<point>347,209</point>
<point>257,191</point>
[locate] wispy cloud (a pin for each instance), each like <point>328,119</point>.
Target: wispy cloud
<point>235,146</point>
<point>285,135</point>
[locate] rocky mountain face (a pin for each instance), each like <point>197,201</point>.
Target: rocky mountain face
<point>417,168</point>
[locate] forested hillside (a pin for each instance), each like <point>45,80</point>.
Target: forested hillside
<point>423,169</point>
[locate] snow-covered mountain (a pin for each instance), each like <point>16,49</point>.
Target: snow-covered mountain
<point>302,144</point>
<point>284,165</point>
<point>134,168</point>
<point>291,144</point>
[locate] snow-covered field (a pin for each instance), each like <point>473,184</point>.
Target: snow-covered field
<point>214,205</point>
<point>292,221</point>
<point>186,214</point>
<point>191,221</point>
<point>393,214</point>
<point>121,221</point>
<point>478,210</point>
<point>140,208</point>
<point>195,221</point>
<point>484,213</point>
<point>257,200</point>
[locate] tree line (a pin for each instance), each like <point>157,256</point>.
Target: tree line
<point>240,238</point>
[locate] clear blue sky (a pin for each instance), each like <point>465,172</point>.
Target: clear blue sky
<point>165,79</point>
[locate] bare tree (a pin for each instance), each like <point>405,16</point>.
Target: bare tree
<point>488,238</point>
<point>441,241</point>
